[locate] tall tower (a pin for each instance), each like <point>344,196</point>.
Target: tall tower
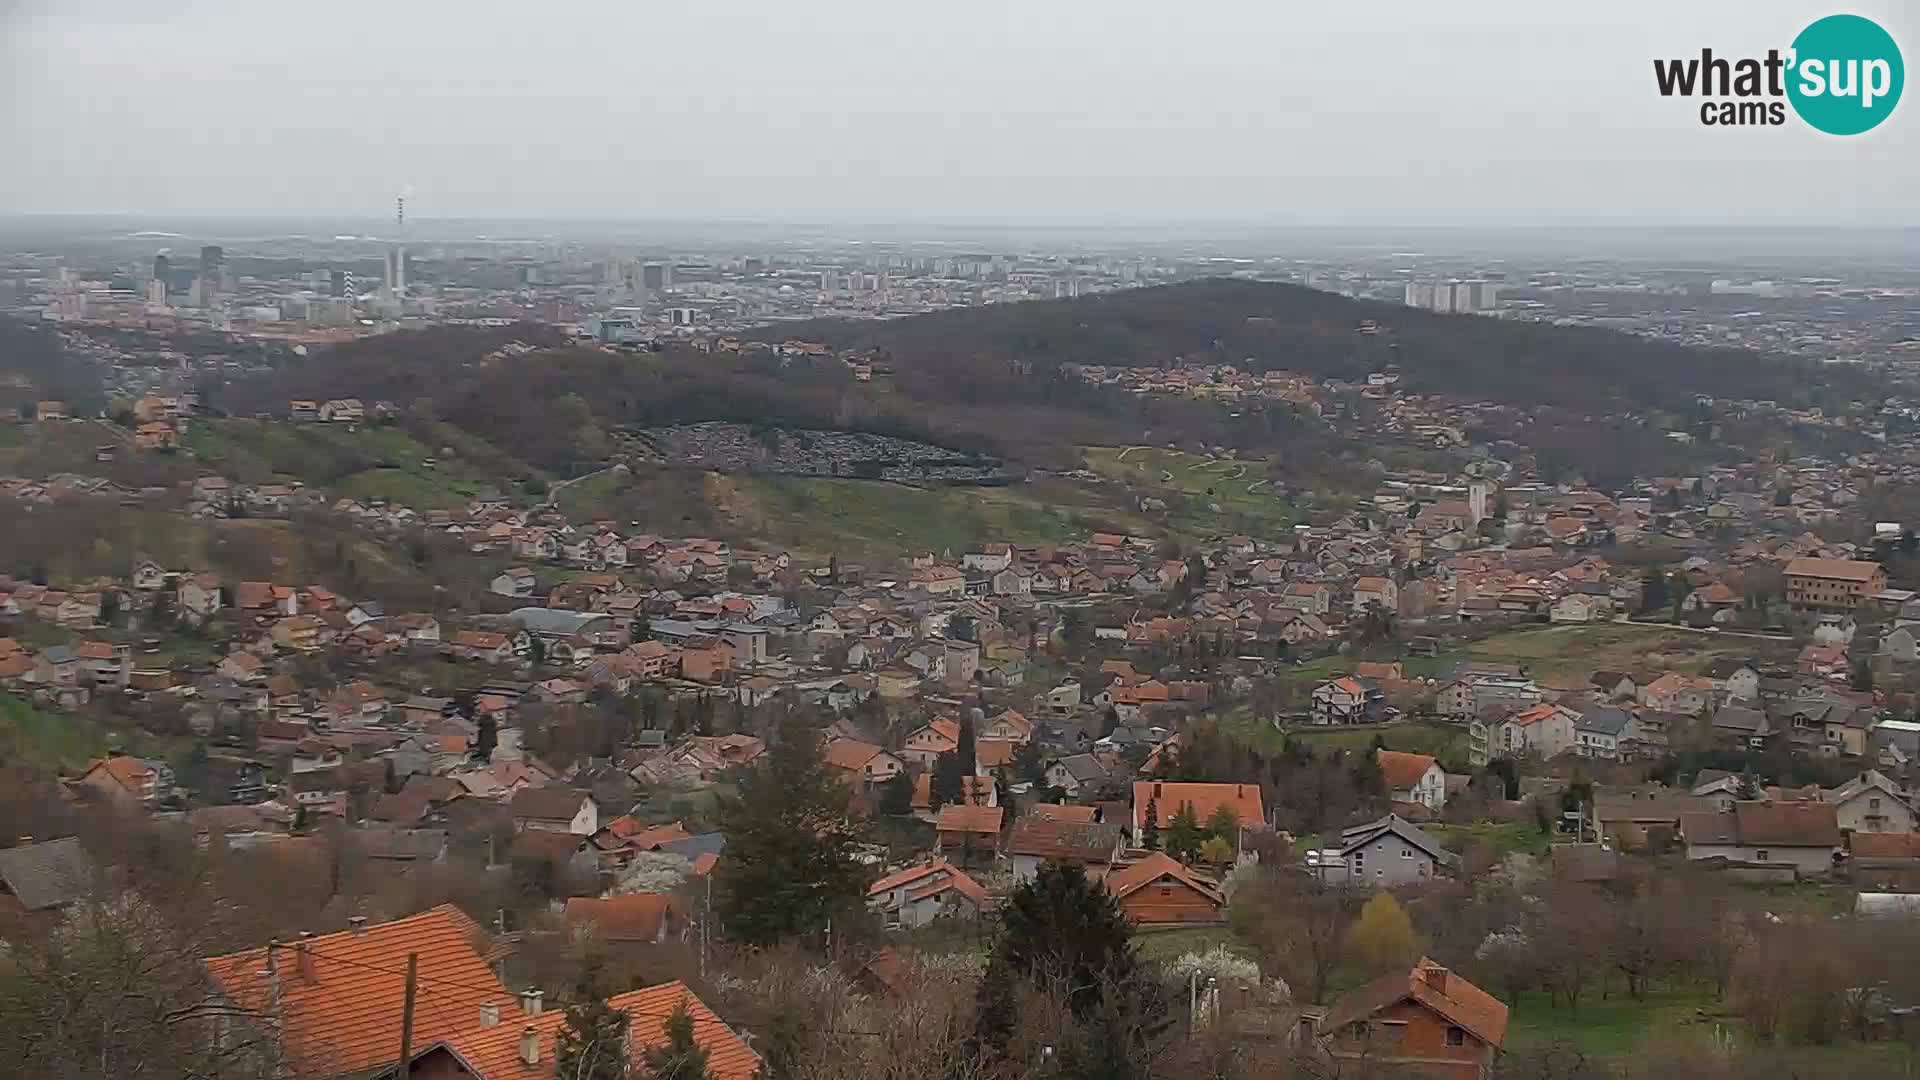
<point>397,255</point>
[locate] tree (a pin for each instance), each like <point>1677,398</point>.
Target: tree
<point>1062,928</point>
<point>960,627</point>
<point>592,1043</point>
<point>1217,850</point>
<point>681,1058</point>
<point>1224,824</point>
<point>536,650</point>
<point>1298,924</point>
<point>1862,675</point>
<point>1368,779</point>
<point>1150,829</point>
<point>948,785</point>
<point>1109,721</point>
<point>1653,590</point>
<point>486,736</point>
<point>897,798</point>
<point>1507,774</point>
<point>1073,627</point>
<point>1183,833</point>
<point>964,746</point>
<point>1383,938</point>
<point>789,865</point>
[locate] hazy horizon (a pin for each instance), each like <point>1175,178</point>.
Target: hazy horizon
<point>1388,114</point>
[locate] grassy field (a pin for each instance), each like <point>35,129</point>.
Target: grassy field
<point>1522,837</point>
<point>1574,651</point>
<point>366,463</point>
<point>1608,1027</point>
<point>45,740</point>
<point>1449,744</point>
<point>1204,496</point>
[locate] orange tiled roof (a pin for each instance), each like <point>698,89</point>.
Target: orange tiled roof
<point>342,1014</point>
<point>1243,799</point>
<point>493,1053</point>
<point>1401,770</point>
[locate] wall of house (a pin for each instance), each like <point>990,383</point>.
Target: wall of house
<point>1421,1041</point>
<point>1170,902</point>
<point>1855,812</point>
<point>1805,860</point>
<point>1389,861</point>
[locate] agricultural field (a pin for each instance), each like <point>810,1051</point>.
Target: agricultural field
<point>364,463</point>
<point>1576,651</point>
<point>1205,496</point>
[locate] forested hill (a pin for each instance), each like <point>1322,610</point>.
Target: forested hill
<point>1270,326</point>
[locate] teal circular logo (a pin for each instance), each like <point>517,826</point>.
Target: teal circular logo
<point>1846,75</point>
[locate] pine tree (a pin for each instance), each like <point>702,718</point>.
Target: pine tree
<point>1224,824</point>
<point>964,746</point>
<point>592,1042</point>
<point>1062,925</point>
<point>789,864</point>
<point>897,799</point>
<point>948,785</point>
<point>1150,830</point>
<point>486,737</point>
<point>681,1058</point>
<point>1183,833</point>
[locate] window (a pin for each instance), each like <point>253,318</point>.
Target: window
<point>1760,856</point>
<point>1873,804</point>
<point>1406,853</point>
<point>1456,1036</point>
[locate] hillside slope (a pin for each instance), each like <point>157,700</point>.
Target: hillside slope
<point>980,354</point>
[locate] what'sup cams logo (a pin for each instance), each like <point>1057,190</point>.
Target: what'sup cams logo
<point>1842,75</point>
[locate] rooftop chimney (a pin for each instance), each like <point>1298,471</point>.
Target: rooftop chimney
<point>490,1015</point>
<point>529,1046</point>
<point>1435,977</point>
<point>303,956</point>
<point>530,1001</point>
<point>358,923</point>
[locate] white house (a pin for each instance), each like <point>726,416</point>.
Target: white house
<point>1414,778</point>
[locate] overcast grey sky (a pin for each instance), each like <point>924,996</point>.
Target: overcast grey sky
<point>1289,110</point>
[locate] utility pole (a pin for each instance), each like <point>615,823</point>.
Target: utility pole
<point>406,1018</point>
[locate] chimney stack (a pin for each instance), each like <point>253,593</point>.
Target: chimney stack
<point>530,1001</point>
<point>529,1046</point>
<point>358,924</point>
<point>303,956</point>
<point>1435,977</point>
<point>490,1015</point>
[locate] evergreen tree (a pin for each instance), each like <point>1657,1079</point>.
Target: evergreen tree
<point>1062,925</point>
<point>789,864</point>
<point>486,737</point>
<point>948,786</point>
<point>897,799</point>
<point>1862,679</point>
<point>592,1042</point>
<point>1368,779</point>
<point>1109,721</point>
<point>1150,829</point>
<point>681,1058</point>
<point>1224,824</point>
<point>1183,833</point>
<point>964,748</point>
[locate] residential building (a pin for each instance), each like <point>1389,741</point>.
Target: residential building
<point>1160,891</point>
<point>1241,800</point>
<point>1871,803</point>
<point>911,898</point>
<point>1346,700</point>
<point>1832,584</point>
<point>1413,778</point>
<point>1803,835</point>
<point>1425,1022</point>
<point>1598,733</point>
<point>1382,854</point>
<point>1038,837</point>
<point>555,809</point>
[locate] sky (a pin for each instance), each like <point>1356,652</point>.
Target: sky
<point>1282,111</point>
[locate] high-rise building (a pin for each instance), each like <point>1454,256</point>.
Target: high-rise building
<point>162,266</point>
<point>213,265</point>
<point>337,283</point>
<point>656,276</point>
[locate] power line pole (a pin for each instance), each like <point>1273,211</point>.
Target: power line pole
<point>406,1018</point>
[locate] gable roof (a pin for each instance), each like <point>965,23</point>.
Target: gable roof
<point>1159,866</point>
<point>548,803</point>
<point>1434,988</point>
<point>984,820</point>
<point>850,754</point>
<point>1603,721</point>
<point>1766,824</point>
<point>1361,835</point>
<point>1057,838</point>
<point>630,917</point>
<point>340,1012</point>
<point>493,1053</point>
<point>1243,799</point>
<point>1886,845</point>
<point>1402,770</point>
<point>47,874</point>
